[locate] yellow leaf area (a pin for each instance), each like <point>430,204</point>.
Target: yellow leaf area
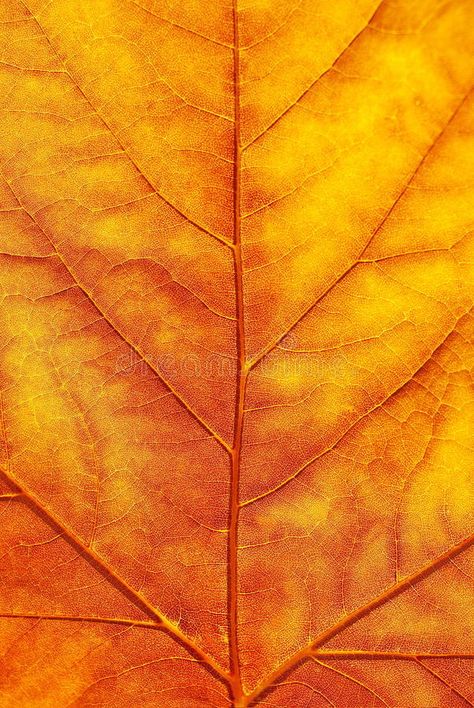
<point>236,403</point>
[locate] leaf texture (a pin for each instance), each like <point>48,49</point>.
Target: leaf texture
<point>236,402</point>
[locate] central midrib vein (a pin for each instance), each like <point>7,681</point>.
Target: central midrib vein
<point>237,690</point>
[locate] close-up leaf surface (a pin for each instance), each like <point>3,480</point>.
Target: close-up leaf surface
<point>236,400</point>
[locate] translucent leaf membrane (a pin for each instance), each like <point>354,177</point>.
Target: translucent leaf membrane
<point>236,402</point>
<point>374,682</point>
<point>83,664</point>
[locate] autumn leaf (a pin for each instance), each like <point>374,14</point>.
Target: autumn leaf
<point>236,399</point>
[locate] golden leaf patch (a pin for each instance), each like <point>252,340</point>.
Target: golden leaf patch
<point>236,399</point>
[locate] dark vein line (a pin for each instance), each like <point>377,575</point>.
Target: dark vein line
<point>241,380</point>
<point>358,261</point>
<point>84,618</point>
<point>385,655</point>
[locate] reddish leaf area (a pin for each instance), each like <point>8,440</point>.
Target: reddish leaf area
<point>236,401</point>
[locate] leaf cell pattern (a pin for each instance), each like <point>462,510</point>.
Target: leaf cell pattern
<point>236,402</point>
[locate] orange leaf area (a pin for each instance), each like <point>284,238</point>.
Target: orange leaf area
<point>236,402</point>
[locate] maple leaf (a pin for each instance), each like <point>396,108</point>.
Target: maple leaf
<point>236,399</point>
